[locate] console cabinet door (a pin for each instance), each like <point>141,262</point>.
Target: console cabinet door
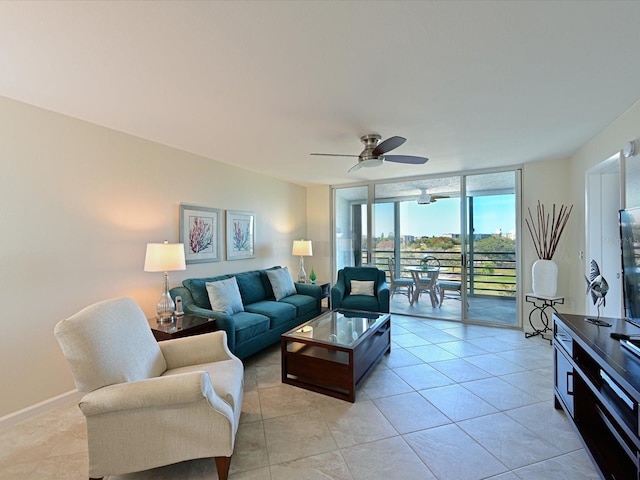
<point>564,379</point>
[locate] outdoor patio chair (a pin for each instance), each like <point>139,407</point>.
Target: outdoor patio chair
<point>402,285</point>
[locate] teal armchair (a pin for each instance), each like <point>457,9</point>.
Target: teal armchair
<point>353,290</point>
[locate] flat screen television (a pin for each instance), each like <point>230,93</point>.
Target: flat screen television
<point>630,247</point>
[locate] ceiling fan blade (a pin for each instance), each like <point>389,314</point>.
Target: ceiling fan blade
<point>388,145</point>
<point>357,166</point>
<point>333,155</point>
<point>405,159</point>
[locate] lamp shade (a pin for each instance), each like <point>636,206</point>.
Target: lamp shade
<point>302,248</point>
<point>164,257</point>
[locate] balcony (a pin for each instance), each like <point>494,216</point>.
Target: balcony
<point>491,285</point>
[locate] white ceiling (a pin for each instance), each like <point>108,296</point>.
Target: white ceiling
<point>262,84</point>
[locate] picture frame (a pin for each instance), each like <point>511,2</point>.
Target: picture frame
<point>200,231</point>
<point>240,235</point>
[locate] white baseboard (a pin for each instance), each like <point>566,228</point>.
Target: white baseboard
<point>39,408</point>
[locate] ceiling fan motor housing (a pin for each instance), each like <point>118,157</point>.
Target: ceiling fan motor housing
<point>370,143</point>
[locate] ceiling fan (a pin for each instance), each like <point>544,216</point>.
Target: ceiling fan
<point>374,153</point>
<point>425,198</point>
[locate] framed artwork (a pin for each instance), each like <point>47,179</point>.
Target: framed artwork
<point>240,235</point>
<point>200,232</point>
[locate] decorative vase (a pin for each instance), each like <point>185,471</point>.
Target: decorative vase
<point>312,276</point>
<point>544,274</point>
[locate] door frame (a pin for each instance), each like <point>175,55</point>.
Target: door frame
<point>596,189</point>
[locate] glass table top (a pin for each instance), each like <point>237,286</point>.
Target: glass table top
<point>339,327</point>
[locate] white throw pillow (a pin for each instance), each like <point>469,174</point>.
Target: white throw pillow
<point>360,287</point>
<point>224,296</point>
<point>281,282</point>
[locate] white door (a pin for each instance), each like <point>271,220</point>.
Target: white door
<point>604,200</point>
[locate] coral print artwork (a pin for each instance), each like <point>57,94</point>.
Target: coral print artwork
<point>200,233</point>
<point>240,235</point>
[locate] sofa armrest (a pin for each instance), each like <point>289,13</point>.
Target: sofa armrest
<point>154,392</point>
<point>223,321</point>
<point>190,305</point>
<point>314,291</point>
<point>196,349</point>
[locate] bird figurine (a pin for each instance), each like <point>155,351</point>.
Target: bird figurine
<point>597,286</point>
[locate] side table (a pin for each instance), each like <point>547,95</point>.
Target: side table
<point>540,304</point>
<point>326,293</point>
<point>181,326</point>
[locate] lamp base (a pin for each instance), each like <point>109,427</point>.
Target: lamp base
<point>302,275</point>
<point>163,320</point>
<point>165,306</point>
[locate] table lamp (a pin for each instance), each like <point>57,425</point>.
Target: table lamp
<point>165,257</point>
<point>302,248</point>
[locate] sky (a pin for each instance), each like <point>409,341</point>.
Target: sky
<point>491,213</point>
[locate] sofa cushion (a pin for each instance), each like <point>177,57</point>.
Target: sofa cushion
<point>362,287</point>
<point>198,289</point>
<point>360,273</point>
<point>251,287</point>
<point>304,304</point>
<point>278,312</point>
<point>281,282</point>
<point>361,302</point>
<point>224,296</point>
<point>249,325</point>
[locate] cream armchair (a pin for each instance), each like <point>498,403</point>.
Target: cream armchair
<point>150,404</point>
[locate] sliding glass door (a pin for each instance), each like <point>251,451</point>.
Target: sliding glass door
<point>414,220</point>
<point>350,226</point>
<point>489,247</point>
<point>466,223</point>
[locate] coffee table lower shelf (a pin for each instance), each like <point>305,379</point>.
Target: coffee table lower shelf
<point>333,369</point>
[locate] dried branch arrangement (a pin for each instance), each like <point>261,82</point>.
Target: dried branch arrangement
<point>546,229</point>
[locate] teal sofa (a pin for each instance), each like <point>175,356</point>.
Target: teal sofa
<point>376,300</point>
<point>264,319</point>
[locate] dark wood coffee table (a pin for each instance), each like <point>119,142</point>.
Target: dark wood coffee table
<point>332,353</point>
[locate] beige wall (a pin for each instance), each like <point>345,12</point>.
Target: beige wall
<point>318,213</point>
<point>548,182</point>
<point>78,203</point>
<point>598,149</point>
<point>563,182</point>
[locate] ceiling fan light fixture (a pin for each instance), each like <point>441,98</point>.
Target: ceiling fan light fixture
<point>372,162</point>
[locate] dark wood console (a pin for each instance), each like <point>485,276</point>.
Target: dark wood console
<point>597,383</point>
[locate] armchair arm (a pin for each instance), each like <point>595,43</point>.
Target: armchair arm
<point>337,293</point>
<point>383,296</point>
<point>197,349</point>
<point>154,392</point>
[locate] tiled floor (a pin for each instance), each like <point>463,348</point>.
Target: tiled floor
<point>451,402</point>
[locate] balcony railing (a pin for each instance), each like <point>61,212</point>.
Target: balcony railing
<point>488,273</point>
